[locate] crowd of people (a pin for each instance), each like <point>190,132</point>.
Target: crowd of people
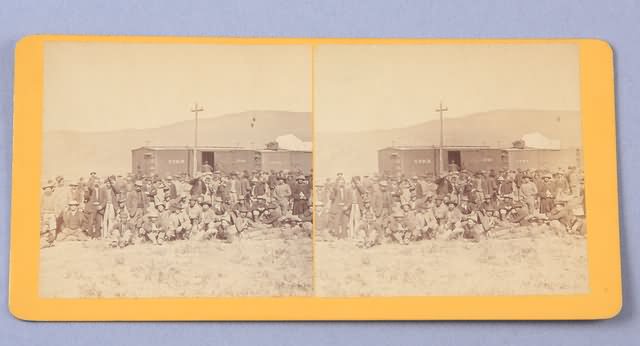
<point>132,209</point>
<point>459,204</point>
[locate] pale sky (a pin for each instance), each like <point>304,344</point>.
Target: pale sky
<point>112,86</point>
<point>367,87</point>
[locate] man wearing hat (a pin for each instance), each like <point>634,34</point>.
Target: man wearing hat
<point>172,187</point>
<point>206,167</point>
<point>381,200</point>
<point>397,229</point>
<point>561,219</point>
<point>221,223</point>
<point>301,194</point>
<point>73,223</point>
<point>282,194</point>
<point>528,192</point>
<point>505,186</point>
<point>471,229</point>
<point>111,202</point>
<point>194,213</point>
<point>261,188</point>
<point>519,214</point>
<point>96,197</point>
<point>368,225</point>
<point>340,208</point>
<point>242,222</point>
<point>547,193</point>
<point>151,229</point>
<point>453,220</point>
<point>440,210</point>
<point>182,219</point>
<point>207,217</point>
<point>122,230</point>
<point>272,216</point>
<point>259,207</point>
<point>445,187</point>
<point>137,201</point>
<point>426,222</point>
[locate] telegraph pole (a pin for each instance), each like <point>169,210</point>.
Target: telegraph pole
<point>195,110</point>
<point>441,110</point>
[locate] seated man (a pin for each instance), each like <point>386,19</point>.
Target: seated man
<point>411,221</point>
<point>183,230</point>
<point>73,223</point>
<point>242,222</point>
<point>222,223</point>
<point>122,231</point>
<point>397,230</point>
<point>206,227</point>
<point>561,219</point>
<point>368,226</point>
<point>273,216</point>
<point>259,208</point>
<point>152,230</point>
<point>194,211</point>
<point>426,222</point>
<point>171,223</point>
<point>452,226</point>
<point>519,214</point>
<point>471,229</point>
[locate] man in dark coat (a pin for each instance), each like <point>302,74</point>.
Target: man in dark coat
<point>301,194</point>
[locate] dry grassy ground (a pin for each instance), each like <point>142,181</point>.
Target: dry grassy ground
<point>279,266</point>
<point>535,264</point>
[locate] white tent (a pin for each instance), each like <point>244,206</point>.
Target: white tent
<point>539,141</point>
<point>291,142</point>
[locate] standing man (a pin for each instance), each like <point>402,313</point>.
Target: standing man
<point>206,167</point>
<point>340,207</point>
<point>111,203</point>
<point>96,203</point>
<point>547,193</point>
<point>282,194</point>
<point>301,194</point>
<point>528,192</point>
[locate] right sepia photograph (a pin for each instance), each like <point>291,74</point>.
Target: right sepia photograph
<point>447,170</point>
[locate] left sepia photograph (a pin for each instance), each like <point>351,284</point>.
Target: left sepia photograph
<point>176,170</point>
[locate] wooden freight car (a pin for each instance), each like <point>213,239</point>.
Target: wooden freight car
<point>163,161</point>
<point>419,160</point>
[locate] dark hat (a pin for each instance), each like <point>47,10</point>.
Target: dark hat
<point>452,202</point>
<point>205,203</point>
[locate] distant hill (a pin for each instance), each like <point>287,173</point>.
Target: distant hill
<point>356,153</point>
<point>75,154</point>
